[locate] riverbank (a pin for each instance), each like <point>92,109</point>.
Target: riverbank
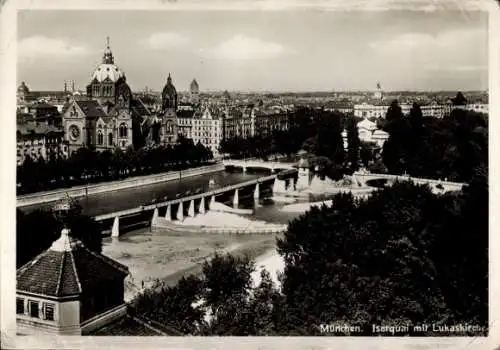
<point>160,256</point>
<point>103,187</point>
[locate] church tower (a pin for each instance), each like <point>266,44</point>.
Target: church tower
<point>378,95</point>
<point>194,91</point>
<point>168,130</point>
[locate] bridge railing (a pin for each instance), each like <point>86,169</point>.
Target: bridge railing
<point>408,178</point>
<point>153,206</point>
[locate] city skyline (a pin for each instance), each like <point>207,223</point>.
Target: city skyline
<point>259,51</point>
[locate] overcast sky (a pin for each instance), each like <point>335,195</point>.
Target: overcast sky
<point>306,50</point>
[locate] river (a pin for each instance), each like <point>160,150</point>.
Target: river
<point>103,203</point>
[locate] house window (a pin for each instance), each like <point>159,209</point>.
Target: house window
<point>123,130</point>
<point>100,137</point>
<point>33,308</point>
<point>110,139</point>
<point>49,311</point>
<point>20,306</point>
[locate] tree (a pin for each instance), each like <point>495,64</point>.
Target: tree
<point>394,112</point>
<point>41,227</point>
<point>353,144</point>
<point>226,277</point>
<point>173,306</point>
<point>459,99</point>
<point>333,266</point>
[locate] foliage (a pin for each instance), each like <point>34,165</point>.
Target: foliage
<point>40,228</point>
<point>437,148</point>
<point>353,145</point>
<point>381,261</point>
<point>86,165</point>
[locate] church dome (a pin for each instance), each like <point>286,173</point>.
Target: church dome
<point>169,88</point>
<point>194,87</point>
<point>23,88</point>
<point>107,71</point>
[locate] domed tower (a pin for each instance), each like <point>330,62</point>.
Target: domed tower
<point>22,92</point>
<point>194,90</point>
<point>169,96</point>
<point>108,84</point>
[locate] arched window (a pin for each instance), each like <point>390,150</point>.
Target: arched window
<point>100,137</point>
<point>123,130</point>
<point>110,139</point>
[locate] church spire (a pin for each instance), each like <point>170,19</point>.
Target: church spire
<point>169,79</point>
<point>108,55</point>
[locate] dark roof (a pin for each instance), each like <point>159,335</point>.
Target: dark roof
<point>23,88</point>
<point>185,113</point>
<point>38,129</point>
<point>23,118</point>
<point>138,107</point>
<point>91,108</point>
<point>67,268</point>
<point>127,326</point>
<point>42,105</point>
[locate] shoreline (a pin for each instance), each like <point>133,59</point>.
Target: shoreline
<point>256,249</point>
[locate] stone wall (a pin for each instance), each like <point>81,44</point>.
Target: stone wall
<point>80,191</point>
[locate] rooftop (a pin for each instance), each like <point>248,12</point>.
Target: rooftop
<point>37,129</point>
<point>67,268</point>
<point>91,108</point>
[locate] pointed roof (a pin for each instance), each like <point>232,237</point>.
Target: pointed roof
<point>67,268</point>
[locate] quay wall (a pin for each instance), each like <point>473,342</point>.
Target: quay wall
<point>137,181</point>
<point>163,225</point>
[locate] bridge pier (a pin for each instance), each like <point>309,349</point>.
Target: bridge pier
<point>201,208</point>
<point>244,169</point>
<point>191,208</point>
<point>168,214</point>
<point>279,186</point>
<point>236,199</point>
<point>212,201</point>
<point>180,212</point>
<point>115,230</point>
<point>155,217</point>
<point>256,192</point>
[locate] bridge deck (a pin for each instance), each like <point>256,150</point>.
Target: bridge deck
<point>217,191</point>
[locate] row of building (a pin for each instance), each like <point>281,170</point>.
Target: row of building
<point>109,116</point>
<point>376,110</point>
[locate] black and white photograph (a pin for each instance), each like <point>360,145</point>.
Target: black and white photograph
<point>301,171</point>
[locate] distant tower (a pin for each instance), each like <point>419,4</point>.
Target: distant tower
<point>194,91</point>
<point>378,94</point>
<point>72,86</point>
<point>65,86</point>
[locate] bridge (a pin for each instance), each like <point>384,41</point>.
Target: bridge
<point>196,203</point>
<point>257,164</point>
<point>437,186</point>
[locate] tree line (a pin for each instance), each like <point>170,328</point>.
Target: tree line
<point>449,148</point>
<point>315,130</point>
<point>402,257</point>
<point>86,165</point>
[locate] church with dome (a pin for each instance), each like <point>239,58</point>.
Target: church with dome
<point>104,118</point>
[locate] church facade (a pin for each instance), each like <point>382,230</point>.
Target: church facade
<point>102,119</point>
